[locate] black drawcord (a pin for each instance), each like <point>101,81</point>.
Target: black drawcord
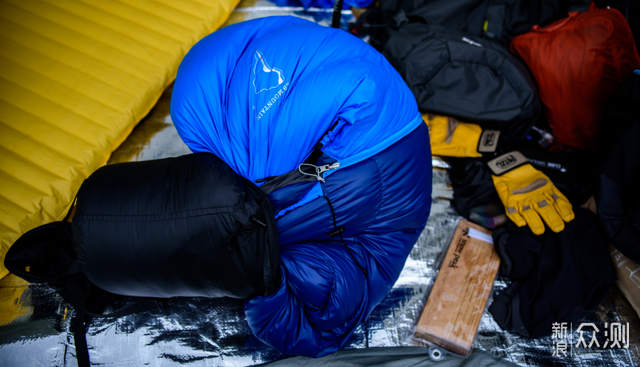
<point>231,240</point>
<point>245,229</point>
<point>339,230</point>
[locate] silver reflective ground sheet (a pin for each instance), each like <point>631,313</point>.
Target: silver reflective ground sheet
<point>213,332</point>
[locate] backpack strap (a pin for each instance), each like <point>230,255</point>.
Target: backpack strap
<point>79,300</point>
<point>337,14</point>
<point>78,323</point>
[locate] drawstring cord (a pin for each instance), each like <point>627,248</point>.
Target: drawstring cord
<point>337,231</point>
<point>231,240</point>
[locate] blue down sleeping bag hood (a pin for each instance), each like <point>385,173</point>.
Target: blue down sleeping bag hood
<point>260,95</point>
<point>323,3</point>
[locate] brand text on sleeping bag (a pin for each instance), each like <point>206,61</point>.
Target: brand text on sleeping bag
<point>266,78</point>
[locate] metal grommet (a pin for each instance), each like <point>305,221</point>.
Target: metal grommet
<point>436,354</point>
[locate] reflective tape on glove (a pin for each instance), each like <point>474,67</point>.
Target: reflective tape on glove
<point>452,138</point>
<point>528,194</point>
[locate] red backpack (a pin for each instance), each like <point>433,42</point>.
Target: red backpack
<point>578,62</point>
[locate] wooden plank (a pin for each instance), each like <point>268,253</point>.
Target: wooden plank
<point>459,295</point>
<point>628,272</point>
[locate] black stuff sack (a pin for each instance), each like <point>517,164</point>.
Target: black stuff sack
<point>176,227</point>
<point>466,77</point>
<point>187,226</point>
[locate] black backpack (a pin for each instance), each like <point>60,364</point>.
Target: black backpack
<point>176,227</point>
<point>497,20</point>
<point>465,77</point>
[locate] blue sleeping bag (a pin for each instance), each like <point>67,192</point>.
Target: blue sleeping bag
<point>260,95</point>
<point>323,3</point>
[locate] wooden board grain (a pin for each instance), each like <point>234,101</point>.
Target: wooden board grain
<point>459,295</point>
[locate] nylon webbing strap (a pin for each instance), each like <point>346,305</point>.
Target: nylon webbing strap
<point>77,324</point>
<point>337,14</point>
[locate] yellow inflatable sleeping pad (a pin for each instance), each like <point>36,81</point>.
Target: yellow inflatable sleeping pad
<point>75,78</point>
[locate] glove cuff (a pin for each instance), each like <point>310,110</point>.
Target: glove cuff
<point>488,141</point>
<point>506,162</point>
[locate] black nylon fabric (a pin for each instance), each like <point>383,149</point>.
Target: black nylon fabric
<point>48,251</point>
<point>505,19</point>
<point>176,227</point>
<point>559,277</point>
<point>619,113</point>
<point>462,16</point>
<point>618,193</point>
<point>186,226</point>
<point>47,261</point>
<point>618,196</point>
<point>472,185</point>
<point>516,17</point>
<point>465,77</point>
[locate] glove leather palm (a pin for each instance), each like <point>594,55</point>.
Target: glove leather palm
<point>528,195</point>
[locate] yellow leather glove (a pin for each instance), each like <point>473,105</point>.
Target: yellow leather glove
<point>452,138</point>
<point>528,194</point>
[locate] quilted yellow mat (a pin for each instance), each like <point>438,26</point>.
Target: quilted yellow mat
<point>75,78</point>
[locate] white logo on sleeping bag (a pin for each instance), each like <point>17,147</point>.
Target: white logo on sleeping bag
<point>264,76</point>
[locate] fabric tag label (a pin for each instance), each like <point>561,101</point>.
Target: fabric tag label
<point>507,162</point>
<point>488,141</point>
